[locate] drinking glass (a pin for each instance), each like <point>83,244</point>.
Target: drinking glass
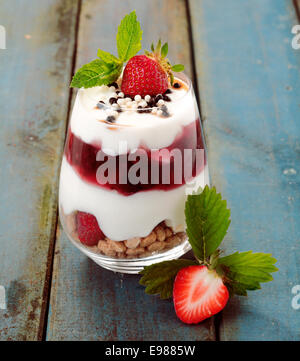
<point>123,185</point>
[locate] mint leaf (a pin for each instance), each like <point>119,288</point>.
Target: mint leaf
<point>108,68</point>
<point>159,278</point>
<point>107,57</point>
<point>207,220</point>
<point>129,37</point>
<point>177,68</point>
<point>96,73</point>
<point>246,270</point>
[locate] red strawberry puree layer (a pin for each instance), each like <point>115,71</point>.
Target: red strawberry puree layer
<point>82,157</point>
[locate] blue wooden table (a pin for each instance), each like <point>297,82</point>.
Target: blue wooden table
<point>247,77</point>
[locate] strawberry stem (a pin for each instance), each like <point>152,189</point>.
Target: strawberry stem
<point>159,54</point>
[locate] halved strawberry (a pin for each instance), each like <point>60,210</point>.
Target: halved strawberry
<point>88,229</point>
<point>198,293</point>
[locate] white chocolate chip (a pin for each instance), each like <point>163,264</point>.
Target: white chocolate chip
<point>142,103</point>
<point>120,101</point>
<point>121,95</point>
<point>137,98</point>
<point>161,102</point>
<point>154,110</point>
<point>112,88</point>
<point>133,105</point>
<point>159,112</point>
<point>127,100</point>
<point>147,98</point>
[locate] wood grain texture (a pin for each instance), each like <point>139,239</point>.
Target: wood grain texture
<point>249,80</point>
<point>88,302</point>
<point>34,75</point>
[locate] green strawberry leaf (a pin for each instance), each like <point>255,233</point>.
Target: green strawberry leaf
<point>246,270</point>
<point>207,220</point>
<point>164,50</point>
<point>178,68</point>
<point>96,73</point>
<point>159,278</point>
<point>158,47</point>
<point>107,57</point>
<point>129,37</point>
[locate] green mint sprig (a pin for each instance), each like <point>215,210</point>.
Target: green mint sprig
<point>108,67</point>
<point>207,220</point>
<point>129,37</point>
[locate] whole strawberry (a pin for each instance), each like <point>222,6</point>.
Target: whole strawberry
<point>149,74</point>
<point>88,229</point>
<point>143,76</point>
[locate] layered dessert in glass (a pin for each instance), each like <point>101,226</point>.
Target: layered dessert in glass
<point>128,165</point>
<point>134,151</point>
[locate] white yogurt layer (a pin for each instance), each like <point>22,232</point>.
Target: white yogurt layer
<point>150,130</point>
<point>121,217</point>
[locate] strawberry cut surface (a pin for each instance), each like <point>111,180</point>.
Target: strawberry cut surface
<point>88,229</point>
<point>144,76</point>
<point>198,294</point>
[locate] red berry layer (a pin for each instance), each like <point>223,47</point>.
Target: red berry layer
<point>82,157</point>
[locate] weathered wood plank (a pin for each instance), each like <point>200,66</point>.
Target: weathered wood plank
<point>35,71</point>
<point>87,302</point>
<point>248,75</point>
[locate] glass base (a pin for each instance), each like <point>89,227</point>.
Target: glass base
<point>134,266</point>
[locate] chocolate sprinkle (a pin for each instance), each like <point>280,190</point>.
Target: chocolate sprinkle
<point>101,105</point>
<point>166,98</point>
<point>151,103</point>
<point>158,97</point>
<point>112,100</point>
<point>165,111</point>
<point>110,119</point>
<point>143,110</point>
<point>114,84</point>
<point>168,91</point>
<point>140,109</point>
